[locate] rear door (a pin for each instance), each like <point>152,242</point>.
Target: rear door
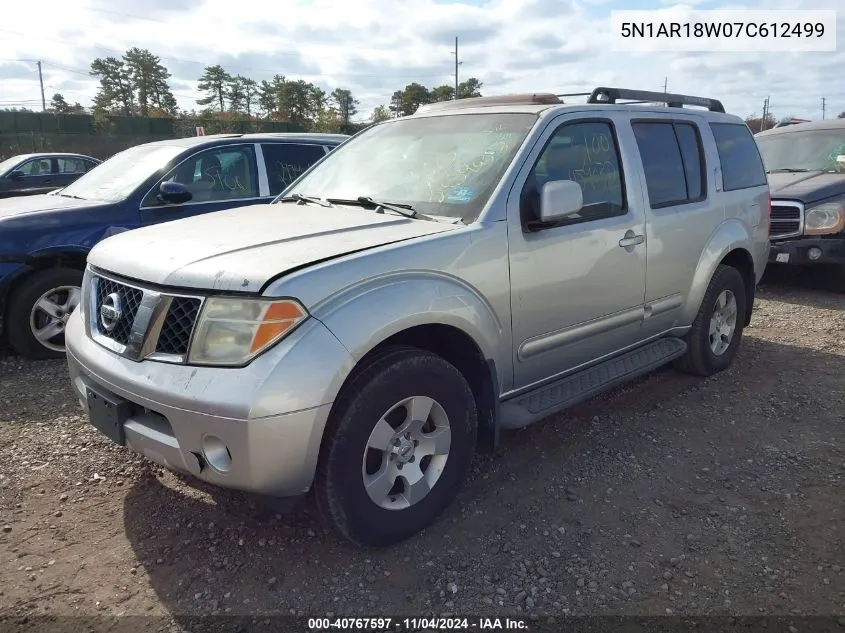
<point>286,162</point>
<point>68,169</point>
<point>680,189</point>
<point>218,178</point>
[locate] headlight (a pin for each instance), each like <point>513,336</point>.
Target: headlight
<point>828,217</point>
<point>234,331</point>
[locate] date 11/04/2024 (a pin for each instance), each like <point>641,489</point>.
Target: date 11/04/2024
<point>417,624</point>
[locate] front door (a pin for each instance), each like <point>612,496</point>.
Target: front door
<point>38,175</point>
<point>577,287</point>
<point>218,178</point>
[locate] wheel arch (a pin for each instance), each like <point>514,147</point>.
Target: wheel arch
<point>458,348</point>
<point>68,258</point>
<point>730,246</point>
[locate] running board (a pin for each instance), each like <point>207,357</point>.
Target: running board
<point>551,398</point>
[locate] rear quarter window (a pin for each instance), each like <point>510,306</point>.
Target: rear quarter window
<point>742,166</point>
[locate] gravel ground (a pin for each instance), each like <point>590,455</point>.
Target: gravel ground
<point>674,495</point>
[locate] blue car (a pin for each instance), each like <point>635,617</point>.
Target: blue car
<point>45,239</point>
<point>31,174</point>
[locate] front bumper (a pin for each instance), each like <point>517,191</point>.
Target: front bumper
<point>796,251</point>
<point>256,428</point>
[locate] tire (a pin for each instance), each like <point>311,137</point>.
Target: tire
<point>366,404</point>
<point>55,285</point>
<point>701,359</point>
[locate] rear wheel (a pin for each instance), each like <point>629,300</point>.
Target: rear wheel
<point>38,312</point>
<point>397,448</point>
<point>716,332</point>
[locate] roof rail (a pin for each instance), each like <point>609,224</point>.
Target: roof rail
<point>539,98</point>
<point>611,95</point>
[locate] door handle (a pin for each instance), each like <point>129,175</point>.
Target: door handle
<point>632,240</point>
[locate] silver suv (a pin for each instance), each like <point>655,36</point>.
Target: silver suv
<point>474,267</point>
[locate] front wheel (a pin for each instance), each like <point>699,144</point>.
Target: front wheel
<point>38,312</point>
<point>716,332</point>
<point>397,448</point>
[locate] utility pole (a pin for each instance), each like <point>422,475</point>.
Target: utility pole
<point>665,84</point>
<point>41,81</point>
<point>765,114</point>
<point>823,107</point>
<point>457,63</point>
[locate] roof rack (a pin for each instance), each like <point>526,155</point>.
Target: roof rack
<point>611,95</point>
<point>537,98</point>
<point>599,95</point>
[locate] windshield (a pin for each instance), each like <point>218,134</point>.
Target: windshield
<point>7,164</point>
<point>116,178</point>
<point>441,165</point>
<point>815,150</point>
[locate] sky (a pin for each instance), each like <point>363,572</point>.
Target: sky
<point>374,47</point>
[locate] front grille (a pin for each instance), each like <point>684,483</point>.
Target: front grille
<point>178,325</point>
<point>128,299</point>
<point>786,219</point>
<point>116,318</point>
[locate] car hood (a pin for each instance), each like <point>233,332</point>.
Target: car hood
<point>808,187</point>
<point>43,203</point>
<point>241,249</point>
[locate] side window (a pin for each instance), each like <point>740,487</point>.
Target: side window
<point>692,153</point>
<point>586,153</point>
<point>70,165</point>
<point>89,165</point>
<point>222,173</point>
<point>287,161</point>
<point>742,166</point>
<point>36,167</point>
<point>671,156</point>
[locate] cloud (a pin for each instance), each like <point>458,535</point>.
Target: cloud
<point>374,47</point>
<point>17,70</point>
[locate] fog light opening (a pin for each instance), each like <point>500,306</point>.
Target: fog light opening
<point>216,453</point>
<point>814,253</point>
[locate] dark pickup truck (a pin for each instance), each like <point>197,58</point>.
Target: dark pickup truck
<point>806,167</point>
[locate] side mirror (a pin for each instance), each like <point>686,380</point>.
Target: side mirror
<point>560,198</point>
<point>174,192</point>
<point>16,175</point>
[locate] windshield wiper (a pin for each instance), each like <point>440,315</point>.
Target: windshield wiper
<point>67,195</point>
<point>789,170</point>
<point>299,198</point>
<point>379,205</point>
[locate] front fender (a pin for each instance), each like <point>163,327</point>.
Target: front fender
<point>728,236</point>
<point>9,271</point>
<point>373,310</point>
